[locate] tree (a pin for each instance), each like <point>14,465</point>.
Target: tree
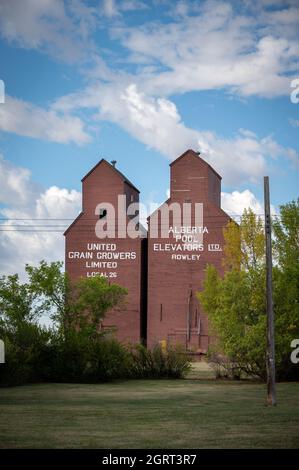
<point>245,243</point>
<point>51,285</point>
<point>78,304</point>
<point>23,337</point>
<point>17,302</point>
<point>235,303</point>
<point>286,281</point>
<point>91,298</point>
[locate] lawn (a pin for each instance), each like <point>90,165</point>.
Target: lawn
<point>187,413</point>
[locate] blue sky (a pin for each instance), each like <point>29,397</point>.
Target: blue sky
<point>140,82</point>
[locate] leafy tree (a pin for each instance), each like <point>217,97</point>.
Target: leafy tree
<point>23,337</point>
<point>286,281</point>
<point>82,304</point>
<point>51,285</point>
<point>91,298</point>
<point>17,302</point>
<point>244,244</point>
<point>235,303</point>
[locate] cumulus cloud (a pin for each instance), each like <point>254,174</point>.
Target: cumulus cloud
<point>16,186</point>
<point>243,158</point>
<point>235,202</point>
<point>251,49</point>
<point>24,236</point>
<point>26,119</point>
<point>157,123</point>
<point>248,52</point>
<point>59,28</point>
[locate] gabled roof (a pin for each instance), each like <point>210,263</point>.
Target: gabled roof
<point>196,154</point>
<point>73,223</point>
<point>158,208</point>
<point>125,179</point>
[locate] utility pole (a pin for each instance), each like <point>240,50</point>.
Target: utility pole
<point>271,387</point>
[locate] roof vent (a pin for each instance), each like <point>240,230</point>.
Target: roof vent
<point>113,162</point>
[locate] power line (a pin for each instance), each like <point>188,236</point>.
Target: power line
<point>92,218</point>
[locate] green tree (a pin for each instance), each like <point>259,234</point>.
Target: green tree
<point>80,304</point>
<point>90,300</point>
<point>51,285</point>
<point>17,302</point>
<point>235,303</point>
<point>23,336</point>
<point>286,282</point>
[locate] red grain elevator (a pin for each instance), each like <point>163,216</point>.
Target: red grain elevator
<point>176,265</point>
<point>116,257</point>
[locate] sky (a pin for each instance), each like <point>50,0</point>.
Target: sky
<point>140,82</point>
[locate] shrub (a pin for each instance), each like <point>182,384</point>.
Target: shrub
<point>78,358</point>
<point>155,363</point>
<point>24,354</point>
<point>223,367</point>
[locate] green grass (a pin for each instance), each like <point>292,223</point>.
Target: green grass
<point>149,414</point>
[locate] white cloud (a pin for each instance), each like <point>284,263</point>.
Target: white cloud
<point>157,123</point>
<point>234,203</point>
<point>249,54</point>
<point>20,247</point>
<point>16,186</point>
<point>250,49</point>
<point>58,203</point>
<point>26,119</point>
<point>59,28</point>
<point>243,158</point>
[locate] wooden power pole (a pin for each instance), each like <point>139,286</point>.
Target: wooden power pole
<point>271,388</point>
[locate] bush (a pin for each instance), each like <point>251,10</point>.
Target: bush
<point>223,367</point>
<point>80,359</point>
<point>155,363</point>
<point>24,354</point>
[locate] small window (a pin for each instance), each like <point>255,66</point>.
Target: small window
<point>103,214</point>
<point>132,197</point>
